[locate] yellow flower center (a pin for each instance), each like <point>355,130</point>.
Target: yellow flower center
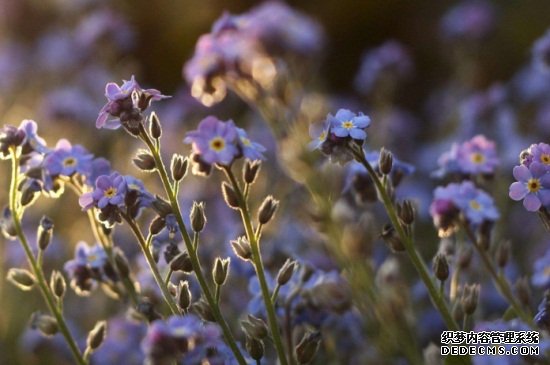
<point>91,258</point>
<point>323,136</point>
<point>109,193</point>
<point>545,158</point>
<point>475,205</point>
<point>533,185</point>
<point>217,144</point>
<point>69,162</point>
<point>245,141</point>
<point>347,124</point>
<point>477,158</point>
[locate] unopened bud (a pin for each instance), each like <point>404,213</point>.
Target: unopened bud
<point>406,212</point>
<point>308,347</point>
<point>162,207</point>
<point>267,209</point>
<point>46,324</point>
<point>57,284</point>
<point>440,267</point>
<point>157,225</point>
<point>392,239</point>
<point>250,171</point>
<point>202,309</point>
<point>44,234</point>
<point>197,217</point>
<point>385,161</point>
<point>182,262</point>
<point>523,291</point>
<point>96,335</point>
<point>21,278</point>
<point>29,191</point>
<point>184,295</point>
<point>144,161</point>
<point>470,298</point>
<point>286,271</point>
<point>178,167</point>
<point>255,348</point>
<point>503,254</point>
<point>458,312</point>
<point>254,327</point>
<point>154,126</point>
<point>221,270</point>
<point>121,263</point>
<point>230,196</point>
<point>242,248</point>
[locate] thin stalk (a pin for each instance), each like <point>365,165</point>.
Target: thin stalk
<point>258,265</point>
<point>499,280</point>
<point>37,272</point>
<point>437,300</point>
<point>172,197</point>
<point>152,265</point>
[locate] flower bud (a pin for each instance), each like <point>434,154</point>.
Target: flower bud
<point>391,238</point>
<point>267,209</point>
<point>286,271</point>
<point>121,263</point>
<point>21,278</point>
<point>44,235</point>
<point>230,196</point>
<point>440,267</point>
<point>470,298</point>
<point>308,347</point>
<point>96,335</point>
<point>57,284</point>
<point>6,224</point>
<point>458,312</point>
<point>250,171</point>
<point>178,167</point>
<point>385,161</point>
<point>157,225</point>
<point>29,191</point>
<point>154,126</point>
<point>46,324</point>
<point>202,309</point>
<point>221,270</point>
<point>254,327</point>
<point>184,295</point>
<point>162,207</point>
<point>503,254</point>
<point>182,262</point>
<point>406,212</point>
<point>197,217</point>
<point>523,291</point>
<point>255,348</point>
<point>242,248</point>
<point>144,161</point>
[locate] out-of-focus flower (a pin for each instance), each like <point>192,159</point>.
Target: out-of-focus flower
<point>541,52</point>
<point>87,268</point>
<point>475,156</point>
<point>121,345</point>
<point>250,150</point>
<point>469,20</point>
<point>541,274</point>
<point>532,186</point>
<point>388,63</point>
<point>67,160</point>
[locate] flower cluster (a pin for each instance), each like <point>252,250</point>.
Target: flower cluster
<point>88,268</point>
<point>533,181</point>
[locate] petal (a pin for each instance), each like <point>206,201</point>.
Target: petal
<point>531,202</point>
<point>538,169</point>
<point>86,201</point>
<point>103,202</point>
<point>356,133</point>
<point>522,173</point>
<point>544,196</point>
<point>518,191</point>
<point>362,121</point>
<point>103,182</point>
<point>340,132</point>
<point>344,114</point>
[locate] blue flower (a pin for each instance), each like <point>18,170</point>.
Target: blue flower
<point>319,133</point>
<point>109,190</point>
<point>250,150</point>
<point>122,344</point>
<point>87,267</point>
<point>214,141</point>
<point>66,160</point>
<point>348,124</point>
<point>476,205</point>
<point>533,186</point>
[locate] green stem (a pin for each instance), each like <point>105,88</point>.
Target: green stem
<point>275,293</point>
<point>258,265</point>
<point>217,294</point>
<point>499,280</point>
<point>37,272</point>
<point>418,263</point>
<point>172,197</point>
<point>168,277</point>
<point>152,265</point>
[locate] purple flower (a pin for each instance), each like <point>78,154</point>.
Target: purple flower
<point>67,160</point>
<point>214,141</point>
<point>532,185</point>
<point>475,156</point>
<point>389,62</point>
<point>109,190</point>
<point>123,99</point>
<point>541,52</point>
<point>136,186</point>
<point>536,153</point>
<point>476,205</point>
<point>470,20</point>
<point>250,150</point>
<point>348,124</point>
<point>87,267</point>
<point>541,275</point>
<point>444,210</point>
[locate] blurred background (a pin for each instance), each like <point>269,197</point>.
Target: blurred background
<point>457,67</point>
